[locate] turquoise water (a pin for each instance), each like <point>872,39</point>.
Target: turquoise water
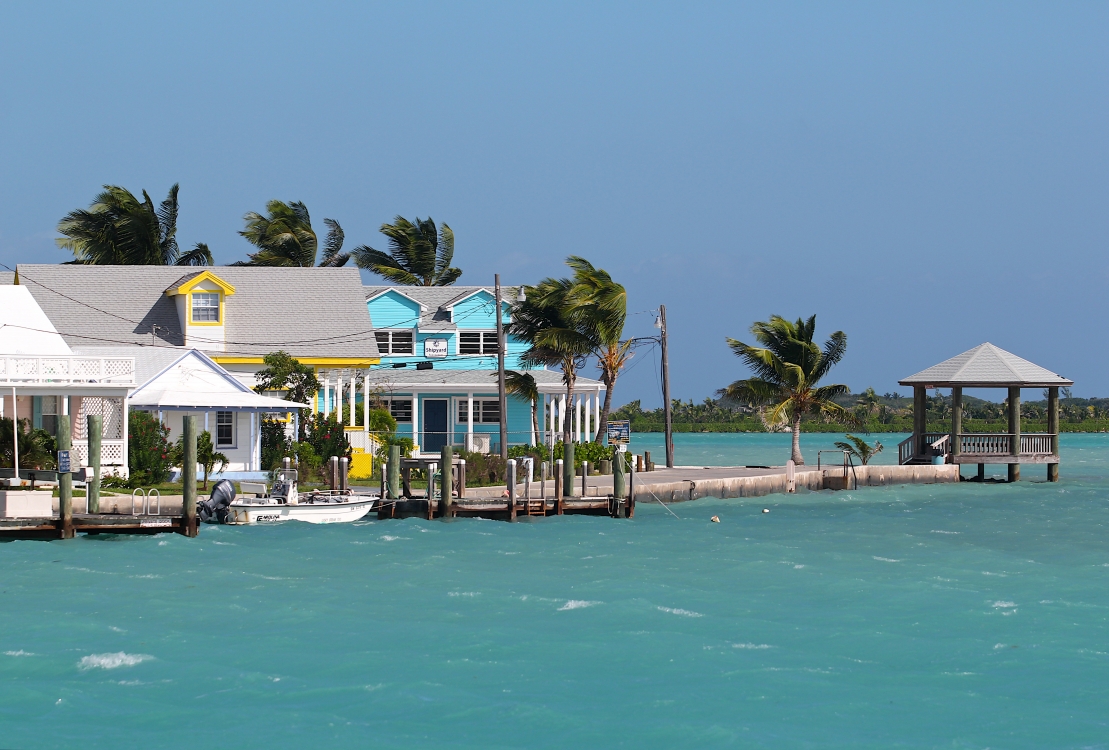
<point>966,616</point>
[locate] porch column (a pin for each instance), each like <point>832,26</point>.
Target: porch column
<point>339,400</point>
<point>1014,432</point>
<point>366,405</point>
<point>956,422</point>
<point>561,412</point>
<point>126,440</point>
<point>1053,428</point>
<point>416,420</point>
<point>590,418</point>
<point>469,421</point>
<point>255,459</point>
<point>15,434</point>
<point>353,400</point>
<point>577,426</point>
<point>920,405</point>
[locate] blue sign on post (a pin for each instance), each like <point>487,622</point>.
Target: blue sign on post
<point>64,465</point>
<point>619,432</point>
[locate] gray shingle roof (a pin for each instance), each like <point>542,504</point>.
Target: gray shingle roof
<point>436,299</point>
<point>403,379</point>
<point>986,366</point>
<point>308,312</point>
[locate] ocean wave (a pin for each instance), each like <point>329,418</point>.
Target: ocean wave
<point>577,604</point>
<point>682,612</point>
<point>753,646</point>
<point>1003,605</point>
<point>938,531</point>
<point>112,661</point>
<point>884,559</point>
<point>463,593</point>
<point>20,652</point>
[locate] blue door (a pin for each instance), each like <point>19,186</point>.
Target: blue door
<point>435,425</point>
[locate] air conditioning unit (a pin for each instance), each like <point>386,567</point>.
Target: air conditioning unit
<point>478,443</point>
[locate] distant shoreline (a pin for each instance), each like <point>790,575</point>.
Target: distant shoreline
<point>815,428</point>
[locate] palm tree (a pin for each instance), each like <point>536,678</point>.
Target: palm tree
<point>523,384</point>
<point>418,254</point>
<point>859,448</point>
<point>787,368</point>
<point>546,322</point>
<point>285,237</point>
<point>602,305</point>
<point>119,229</point>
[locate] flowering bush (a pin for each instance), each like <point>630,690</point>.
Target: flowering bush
<point>149,453</point>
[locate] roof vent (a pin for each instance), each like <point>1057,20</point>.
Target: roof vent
<point>425,365</point>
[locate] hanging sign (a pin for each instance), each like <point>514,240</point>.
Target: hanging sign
<point>619,432</point>
<point>64,465</point>
<point>435,348</point>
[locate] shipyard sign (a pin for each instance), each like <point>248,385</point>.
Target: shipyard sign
<point>435,348</point>
<point>619,432</point>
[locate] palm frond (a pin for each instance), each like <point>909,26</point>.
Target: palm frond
<point>198,256</point>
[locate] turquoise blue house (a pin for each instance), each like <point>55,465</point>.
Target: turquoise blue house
<point>438,366</point>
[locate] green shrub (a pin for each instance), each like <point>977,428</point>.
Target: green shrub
<point>149,453</point>
<point>276,445</point>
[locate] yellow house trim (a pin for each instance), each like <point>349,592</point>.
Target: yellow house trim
<point>201,277</point>
<point>314,361</point>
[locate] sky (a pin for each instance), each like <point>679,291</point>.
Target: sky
<point>922,176</point>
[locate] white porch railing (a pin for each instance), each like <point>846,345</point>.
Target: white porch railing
<point>114,372</point>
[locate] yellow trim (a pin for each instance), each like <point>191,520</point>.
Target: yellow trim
<point>203,276</point>
<point>205,322</point>
<point>314,361</point>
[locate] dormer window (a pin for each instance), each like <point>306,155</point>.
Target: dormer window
<point>205,307</point>
<point>394,342</point>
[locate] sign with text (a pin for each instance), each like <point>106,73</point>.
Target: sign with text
<point>435,348</point>
<point>64,464</point>
<point>619,432</point>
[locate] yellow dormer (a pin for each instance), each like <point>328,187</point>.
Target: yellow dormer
<point>201,298</point>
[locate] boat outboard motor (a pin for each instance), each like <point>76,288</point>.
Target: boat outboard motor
<point>214,509</point>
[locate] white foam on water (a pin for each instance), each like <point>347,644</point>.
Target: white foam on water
<point>884,559</point>
<point>20,652</point>
<point>999,575</point>
<point>148,575</point>
<point>939,531</point>
<point>118,630</point>
<point>753,646</point>
<point>463,593</point>
<point>577,604</point>
<point>387,538</point>
<point>160,544</point>
<point>798,567</point>
<point>112,661</point>
<point>682,612</point>
<point>1003,605</point>
<point>996,646</point>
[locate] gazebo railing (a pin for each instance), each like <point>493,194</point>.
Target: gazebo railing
<point>1001,444</point>
<point>906,449</point>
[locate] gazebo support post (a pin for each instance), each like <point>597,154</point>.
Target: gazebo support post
<point>1053,428</point>
<point>1014,433</point>
<point>920,423</point>
<point>955,446</point>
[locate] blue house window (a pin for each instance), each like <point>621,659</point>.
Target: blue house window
<point>394,342</point>
<point>485,412</point>
<point>477,342</point>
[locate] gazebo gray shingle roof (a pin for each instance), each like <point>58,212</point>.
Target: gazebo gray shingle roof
<point>986,366</point>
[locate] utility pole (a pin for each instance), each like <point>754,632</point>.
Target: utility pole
<point>666,390</point>
<point>500,371</point>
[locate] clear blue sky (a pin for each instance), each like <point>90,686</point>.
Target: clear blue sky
<point>922,176</point>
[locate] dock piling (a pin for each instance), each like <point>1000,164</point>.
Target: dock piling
<point>446,460</point>
<point>558,485</point>
<point>568,469</point>
<point>510,478</point>
<point>393,469</point>
<point>344,471</point>
<point>92,486</point>
<point>585,479</point>
<point>65,483</point>
<point>188,490</point>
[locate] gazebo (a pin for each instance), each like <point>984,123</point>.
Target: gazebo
<point>985,366</point>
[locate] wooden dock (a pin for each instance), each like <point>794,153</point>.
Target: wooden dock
<point>95,523</point>
<point>503,509</point>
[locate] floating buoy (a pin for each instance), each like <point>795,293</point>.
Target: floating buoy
<point>716,519</point>
<point>766,510</point>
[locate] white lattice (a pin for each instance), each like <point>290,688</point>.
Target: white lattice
<point>111,453</point>
<point>111,409</point>
<point>105,371</point>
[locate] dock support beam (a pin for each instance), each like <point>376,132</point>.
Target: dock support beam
<point>568,468</point>
<point>188,467</point>
<point>1014,432</point>
<point>65,483</point>
<point>558,479</point>
<point>1053,428</point>
<point>446,482</point>
<point>392,469</point>
<point>92,486</point>
<point>510,480</point>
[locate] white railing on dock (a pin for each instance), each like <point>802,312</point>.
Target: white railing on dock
<point>1037,443</point>
<point>986,444</point>
<point>114,372</point>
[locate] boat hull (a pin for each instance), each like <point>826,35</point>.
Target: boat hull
<point>250,513</point>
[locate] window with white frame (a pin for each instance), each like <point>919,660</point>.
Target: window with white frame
<point>477,342</point>
<point>225,429</point>
<point>394,342</point>
<point>485,411</point>
<point>205,307</point>
<point>50,414</point>
<point>400,408</point>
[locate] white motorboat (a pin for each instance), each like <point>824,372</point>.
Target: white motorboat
<point>286,503</point>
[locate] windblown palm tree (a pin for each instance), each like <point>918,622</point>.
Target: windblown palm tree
<point>285,237</point>
<point>555,336</point>
<point>119,229</point>
<point>523,384</point>
<point>788,366</point>
<point>418,254</point>
<point>859,448</point>
<point>601,304</point>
